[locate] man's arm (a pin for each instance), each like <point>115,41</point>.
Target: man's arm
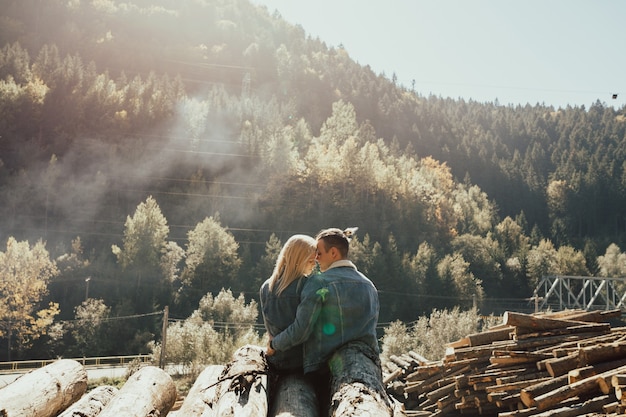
<point>306,315</point>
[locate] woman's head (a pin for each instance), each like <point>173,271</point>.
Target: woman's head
<point>296,258</point>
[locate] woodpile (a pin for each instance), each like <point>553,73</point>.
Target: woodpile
<point>570,363</point>
<point>60,389</point>
<point>240,388</point>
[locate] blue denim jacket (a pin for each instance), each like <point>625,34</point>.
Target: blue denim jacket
<point>279,311</point>
<point>337,306</point>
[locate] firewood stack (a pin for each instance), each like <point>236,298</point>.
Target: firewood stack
<point>563,364</point>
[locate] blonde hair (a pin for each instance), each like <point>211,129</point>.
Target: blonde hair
<point>292,262</point>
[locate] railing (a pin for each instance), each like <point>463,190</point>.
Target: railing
<point>97,362</point>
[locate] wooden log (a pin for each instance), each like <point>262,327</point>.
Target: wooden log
<point>199,400</point>
<point>590,370</point>
<point>293,396</point>
<point>618,380</point>
<point>356,383</point>
<point>44,392</point>
<point>593,405</point>
<point>536,322</point>
<point>587,386</point>
<point>390,377</point>
<point>148,392</point>
<point>561,366</point>
<point>604,379</point>
<point>441,392</point>
<point>528,394</point>
<point>419,358</point>
<point>603,353</point>
<point>589,328</point>
<point>522,376</point>
<point>92,403</point>
<point>242,390</point>
<point>597,316</point>
<point>489,336</point>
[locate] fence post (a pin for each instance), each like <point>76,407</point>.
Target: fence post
<point>164,337</point>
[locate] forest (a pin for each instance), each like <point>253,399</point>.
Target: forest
<point>154,153</point>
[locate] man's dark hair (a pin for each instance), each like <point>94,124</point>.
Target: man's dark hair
<point>336,238</point>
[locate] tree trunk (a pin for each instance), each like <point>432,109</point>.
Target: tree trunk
<point>44,392</point>
<point>201,395</point>
<point>293,396</point>
<point>356,384</point>
<point>148,392</point>
<point>242,390</point>
<point>536,322</point>
<point>92,403</point>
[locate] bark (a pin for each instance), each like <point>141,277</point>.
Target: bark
<point>149,392</point>
<point>356,384</point>
<point>243,387</point>
<point>199,400</point>
<point>590,370</point>
<point>56,387</point>
<point>293,396</point>
<point>528,394</point>
<point>603,353</point>
<point>534,322</point>
<point>589,386</point>
<point>92,403</point>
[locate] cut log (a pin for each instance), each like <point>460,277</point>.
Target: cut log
<point>528,394</point>
<point>603,353</point>
<point>44,392</point>
<point>561,366</point>
<point>199,400</point>
<point>356,384</point>
<point>92,403</point>
<point>593,405</point>
<point>148,392</point>
<point>536,322</point>
<point>590,370</point>
<point>243,387</point>
<point>293,396</point>
<point>596,384</point>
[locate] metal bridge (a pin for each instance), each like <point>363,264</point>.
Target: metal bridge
<point>560,292</point>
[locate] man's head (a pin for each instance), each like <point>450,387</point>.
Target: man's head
<point>332,245</point>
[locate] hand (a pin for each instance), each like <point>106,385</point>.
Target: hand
<point>269,351</point>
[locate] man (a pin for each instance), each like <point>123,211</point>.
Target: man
<point>338,307</point>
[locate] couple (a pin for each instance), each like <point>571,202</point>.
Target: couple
<point>311,316</point>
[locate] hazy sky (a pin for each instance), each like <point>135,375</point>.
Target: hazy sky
<point>555,52</point>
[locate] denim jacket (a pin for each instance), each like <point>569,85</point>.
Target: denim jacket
<point>279,311</point>
<point>337,306</point>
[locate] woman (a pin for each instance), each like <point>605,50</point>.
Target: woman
<point>280,296</point>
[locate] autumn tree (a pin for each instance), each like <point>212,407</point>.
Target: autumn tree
<point>25,272</point>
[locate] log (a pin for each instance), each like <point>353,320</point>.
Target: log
<point>356,383</point>
<point>528,394</point>
<point>148,392</point>
<point>589,370</point>
<point>199,400</point>
<point>561,366</point>
<point>44,392</point>
<point>590,406</point>
<point>589,386</point>
<point>533,322</point>
<point>242,390</point>
<point>293,396</point>
<point>92,403</point>
<point>603,353</point>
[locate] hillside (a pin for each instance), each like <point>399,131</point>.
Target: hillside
<point>228,124</point>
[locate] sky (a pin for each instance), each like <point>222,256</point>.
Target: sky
<point>552,52</point>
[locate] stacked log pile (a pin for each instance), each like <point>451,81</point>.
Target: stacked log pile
<point>559,364</point>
